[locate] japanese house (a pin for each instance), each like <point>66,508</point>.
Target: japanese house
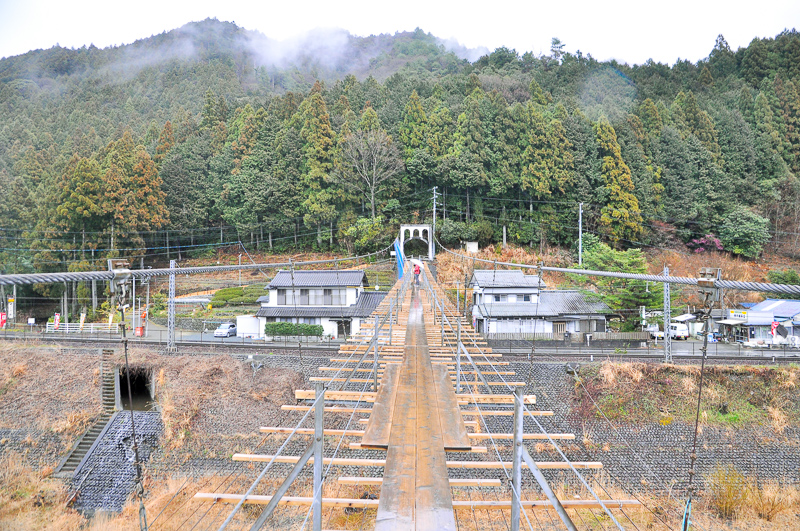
<point>336,299</point>
<point>516,303</point>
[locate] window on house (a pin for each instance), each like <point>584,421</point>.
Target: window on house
<point>559,327</point>
<point>526,298</point>
<point>497,298</point>
<point>281,297</point>
<point>304,297</point>
<point>315,297</point>
<point>328,297</point>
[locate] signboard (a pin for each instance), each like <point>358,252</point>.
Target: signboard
<point>12,308</point>
<point>2,319</point>
<point>31,321</point>
<point>56,321</point>
<point>83,320</point>
<point>752,318</point>
<point>738,314</point>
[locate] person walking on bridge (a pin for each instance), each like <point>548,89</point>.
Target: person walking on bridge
<point>416,274</point>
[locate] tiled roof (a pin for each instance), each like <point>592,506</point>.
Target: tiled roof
<point>364,306</point>
<point>551,303</point>
<point>318,279</point>
<point>513,278</point>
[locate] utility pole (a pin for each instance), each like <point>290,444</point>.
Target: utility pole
<point>667,319</point>
<point>433,244</point>
<point>580,233</point>
<point>171,348</point>
<point>147,309</point>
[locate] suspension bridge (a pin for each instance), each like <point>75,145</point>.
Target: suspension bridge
<point>429,388</point>
<point>430,395</point>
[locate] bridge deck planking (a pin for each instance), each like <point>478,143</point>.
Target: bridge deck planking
<point>378,430</point>
<point>415,493</point>
<point>454,431</point>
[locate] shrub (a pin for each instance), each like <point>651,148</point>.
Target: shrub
<point>709,242</point>
<point>245,299</point>
<point>158,301</point>
<point>744,232</point>
<point>225,294</point>
<point>771,498</point>
<point>293,329</point>
<point>727,490</point>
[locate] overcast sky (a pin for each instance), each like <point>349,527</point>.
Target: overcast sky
<point>630,31</point>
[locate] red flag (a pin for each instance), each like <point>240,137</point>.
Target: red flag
<point>774,327</point>
<point>2,319</point>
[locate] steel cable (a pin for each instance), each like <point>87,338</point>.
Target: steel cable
<point>790,289</point>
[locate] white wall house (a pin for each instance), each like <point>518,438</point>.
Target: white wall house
<point>335,299</point>
<point>511,302</point>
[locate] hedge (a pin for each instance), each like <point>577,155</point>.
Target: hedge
<point>226,294</point>
<point>292,329</point>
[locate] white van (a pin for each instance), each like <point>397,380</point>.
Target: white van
<point>678,331</point>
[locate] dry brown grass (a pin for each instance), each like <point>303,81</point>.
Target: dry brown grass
<point>726,490</point>
<point>41,387</point>
<point>771,498</point>
<point>732,396</point>
<point>689,265</point>
<point>452,269</point>
<point>778,418</point>
<point>28,500</point>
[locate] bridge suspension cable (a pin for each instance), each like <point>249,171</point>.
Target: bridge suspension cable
<point>789,289</point>
<point>80,276</point>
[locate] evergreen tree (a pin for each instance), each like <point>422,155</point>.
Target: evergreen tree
<point>369,120</point>
<point>314,126</point>
<point>722,59</point>
<point>623,295</point>
<point>650,117</point>
<point>620,218</point>
<point>414,129</point>
<point>165,142</point>
<point>209,117</point>
<point>755,62</point>
<point>79,201</point>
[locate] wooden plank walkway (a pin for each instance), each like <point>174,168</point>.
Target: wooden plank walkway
<point>415,492</point>
<point>454,431</point>
<point>380,420</point>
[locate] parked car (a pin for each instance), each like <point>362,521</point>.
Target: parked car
<point>678,331</point>
<point>225,330</point>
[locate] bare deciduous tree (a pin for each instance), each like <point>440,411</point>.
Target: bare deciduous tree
<point>368,163</point>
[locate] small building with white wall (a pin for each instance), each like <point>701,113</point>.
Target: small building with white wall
<point>336,299</point>
<point>511,302</point>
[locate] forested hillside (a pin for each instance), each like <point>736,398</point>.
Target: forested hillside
<point>211,134</point>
